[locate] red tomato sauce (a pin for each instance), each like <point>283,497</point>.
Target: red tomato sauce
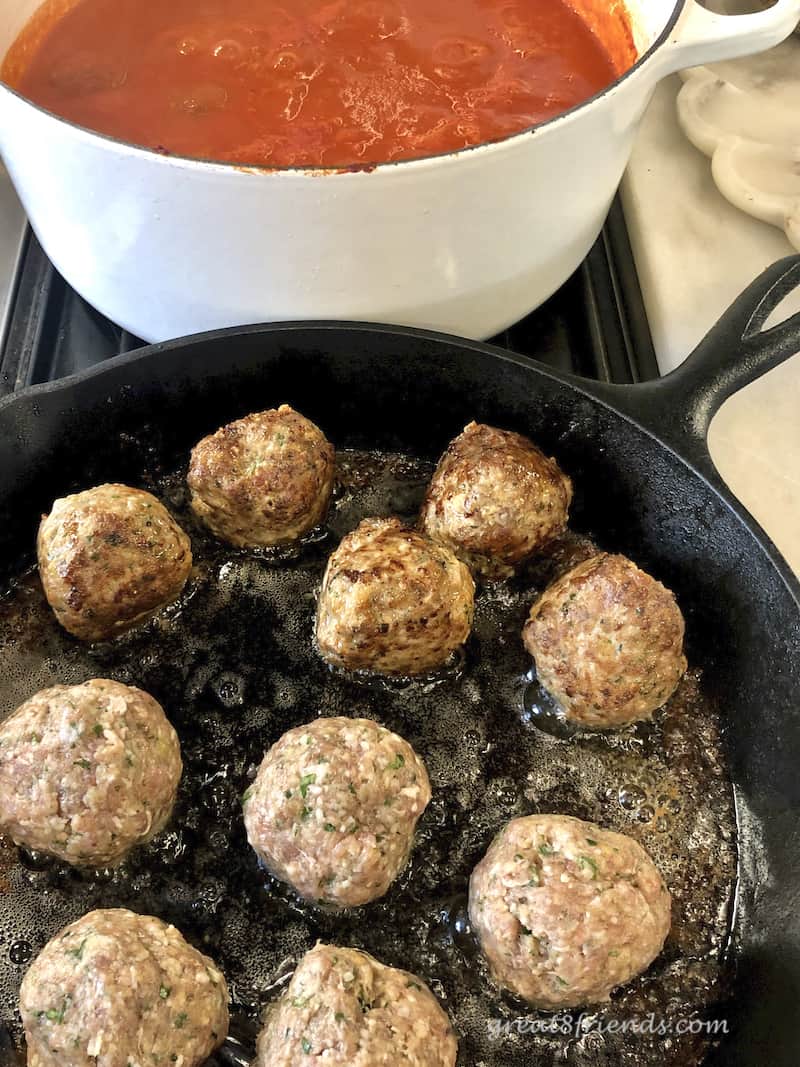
<point>320,83</point>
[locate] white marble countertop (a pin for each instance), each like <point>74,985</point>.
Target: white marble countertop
<point>695,253</point>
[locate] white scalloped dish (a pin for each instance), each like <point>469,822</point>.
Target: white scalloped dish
<point>745,115</point>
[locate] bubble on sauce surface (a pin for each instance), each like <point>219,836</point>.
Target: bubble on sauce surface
<point>234,667</point>
<point>85,75</point>
<point>200,99</point>
<point>456,51</point>
<point>228,49</point>
<point>187,46</point>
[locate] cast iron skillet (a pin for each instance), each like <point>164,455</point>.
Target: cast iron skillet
<point>647,488</point>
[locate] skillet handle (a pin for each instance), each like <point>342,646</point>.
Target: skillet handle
<point>737,351</point>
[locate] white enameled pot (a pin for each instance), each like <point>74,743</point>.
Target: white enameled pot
<point>467,243</point>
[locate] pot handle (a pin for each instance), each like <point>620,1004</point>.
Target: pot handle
<point>701,36</point>
<point>679,407</point>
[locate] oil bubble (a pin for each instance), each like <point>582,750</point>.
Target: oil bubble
<point>20,952</point>
<point>539,709</point>
<point>631,797</point>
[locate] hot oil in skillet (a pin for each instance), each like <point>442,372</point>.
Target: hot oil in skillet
<point>234,667</point>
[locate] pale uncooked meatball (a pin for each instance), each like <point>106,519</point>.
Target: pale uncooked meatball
<point>565,911</point>
<point>608,642</point>
<point>393,601</point>
<point>87,771</point>
<point>263,480</point>
<point>109,559</point>
<point>115,989</point>
<point>334,807</point>
<point>345,1009</point>
<point>495,499</point>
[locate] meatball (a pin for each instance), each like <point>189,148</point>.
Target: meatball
<point>608,642</point>
<point>87,771</point>
<point>495,499</point>
<point>110,558</point>
<point>392,601</point>
<point>343,1007</point>
<point>264,480</point>
<point>115,989</point>
<point>566,911</point>
<point>334,807</point>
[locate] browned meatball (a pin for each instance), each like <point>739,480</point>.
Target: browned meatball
<point>566,911</point>
<point>87,771</point>
<point>116,989</point>
<point>608,642</point>
<point>264,480</point>
<point>495,499</point>
<point>392,601</point>
<point>334,808</point>
<point>344,1009</point>
<point>109,559</point>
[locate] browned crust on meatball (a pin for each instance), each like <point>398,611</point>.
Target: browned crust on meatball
<point>495,499</point>
<point>608,642</point>
<point>392,601</point>
<point>565,911</point>
<point>263,480</point>
<point>109,558</point>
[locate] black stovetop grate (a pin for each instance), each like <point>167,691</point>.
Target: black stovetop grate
<point>595,325</point>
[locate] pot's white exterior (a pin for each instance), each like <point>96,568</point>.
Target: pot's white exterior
<point>466,243</point>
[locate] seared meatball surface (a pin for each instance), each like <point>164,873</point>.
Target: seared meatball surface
<point>334,807</point>
<point>608,642</point>
<point>115,989</point>
<point>393,601</point>
<point>263,480</point>
<point>495,499</point>
<point>344,1008</point>
<point>110,558</point>
<point>565,911</point>
<point>87,771</point>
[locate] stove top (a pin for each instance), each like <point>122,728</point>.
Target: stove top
<point>595,325</point>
